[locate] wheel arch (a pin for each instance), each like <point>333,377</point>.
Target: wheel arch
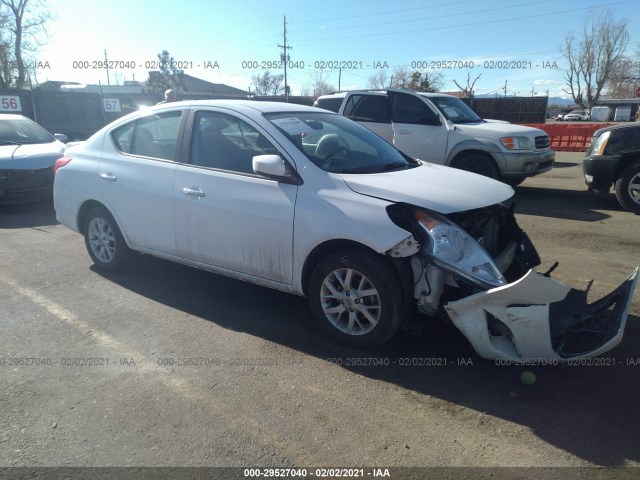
<point>401,266</point>
<point>625,160</point>
<point>87,206</point>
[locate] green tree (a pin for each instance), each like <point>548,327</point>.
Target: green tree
<point>168,76</point>
<point>426,81</point>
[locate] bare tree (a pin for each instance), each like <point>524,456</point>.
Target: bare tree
<point>592,58</point>
<point>625,77</point>
<point>378,79</point>
<point>401,77</point>
<point>22,26</point>
<point>319,83</point>
<point>468,90</point>
<point>426,81</point>
<point>268,84</point>
<point>168,77</point>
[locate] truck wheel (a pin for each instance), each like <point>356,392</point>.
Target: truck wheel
<point>514,181</point>
<point>477,163</point>
<point>356,298</point>
<point>628,188</point>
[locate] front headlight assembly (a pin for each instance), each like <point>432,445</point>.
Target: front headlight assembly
<point>450,248</point>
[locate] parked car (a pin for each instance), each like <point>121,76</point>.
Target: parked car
<point>27,155</point>
<point>613,159</point>
<point>309,202</point>
<point>442,129</point>
<point>560,117</point>
<point>577,115</point>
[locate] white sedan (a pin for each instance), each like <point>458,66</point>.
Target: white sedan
<point>308,202</point>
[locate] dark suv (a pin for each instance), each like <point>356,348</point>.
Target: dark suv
<point>613,158</point>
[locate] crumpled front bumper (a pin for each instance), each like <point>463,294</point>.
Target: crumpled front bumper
<point>537,317</point>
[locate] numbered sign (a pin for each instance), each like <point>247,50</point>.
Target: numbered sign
<point>111,105</point>
<point>10,104</point>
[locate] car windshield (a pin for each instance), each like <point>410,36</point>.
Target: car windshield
<point>22,131</point>
<point>455,110</point>
<point>338,145</point>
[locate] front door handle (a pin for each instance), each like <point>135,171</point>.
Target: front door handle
<point>194,192</point>
<point>404,132</point>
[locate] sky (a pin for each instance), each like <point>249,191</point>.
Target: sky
<point>512,42</point>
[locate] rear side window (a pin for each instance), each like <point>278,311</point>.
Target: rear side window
<point>332,104</point>
<point>367,108</point>
<point>154,136</point>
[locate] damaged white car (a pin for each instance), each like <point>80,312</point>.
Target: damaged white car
<point>311,203</point>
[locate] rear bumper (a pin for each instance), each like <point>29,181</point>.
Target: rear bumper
<point>537,317</point>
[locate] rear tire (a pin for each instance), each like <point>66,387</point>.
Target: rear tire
<point>478,163</point>
<point>628,188</point>
<point>104,241</point>
<point>357,298</point>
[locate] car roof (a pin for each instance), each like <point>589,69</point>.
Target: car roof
<point>384,91</point>
<point>256,105</point>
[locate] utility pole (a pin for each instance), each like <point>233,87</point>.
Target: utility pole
<point>505,88</point>
<point>106,66</point>
<point>284,57</point>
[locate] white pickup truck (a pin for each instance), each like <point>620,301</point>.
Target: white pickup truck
<point>442,129</point>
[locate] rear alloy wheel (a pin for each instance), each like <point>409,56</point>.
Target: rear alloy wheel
<point>628,188</point>
<point>103,239</point>
<point>478,163</point>
<point>356,298</point>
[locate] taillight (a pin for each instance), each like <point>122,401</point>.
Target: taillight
<point>61,162</point>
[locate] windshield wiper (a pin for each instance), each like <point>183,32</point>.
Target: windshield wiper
<point>392,166</point>
<point>9,142</point>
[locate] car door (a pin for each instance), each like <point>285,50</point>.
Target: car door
<point>370,110</point>
<point>136,179</point>
<point>417,129</point>
<point>226,215</point>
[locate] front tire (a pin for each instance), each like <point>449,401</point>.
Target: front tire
<point>104,241</point>
<point>514,181</point>
<point>628,188</point>
<point>478,163</point>
<point>357,298</point>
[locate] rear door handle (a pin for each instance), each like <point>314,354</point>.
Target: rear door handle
<point>404,132</point>
<point>108,176</point>
<point>194,192</point>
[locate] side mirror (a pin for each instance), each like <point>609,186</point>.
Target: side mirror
<point>61,137</point>
<point>274,167</point>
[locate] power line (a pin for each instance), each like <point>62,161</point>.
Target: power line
<point>448,27</point>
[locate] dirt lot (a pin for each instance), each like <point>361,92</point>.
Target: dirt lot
<point>170,366</point>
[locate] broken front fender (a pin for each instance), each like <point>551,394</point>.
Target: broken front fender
<point>537,317</point>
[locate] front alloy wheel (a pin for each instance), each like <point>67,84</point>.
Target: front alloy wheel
<point>356,297</point>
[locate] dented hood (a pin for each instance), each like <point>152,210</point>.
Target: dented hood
<point>434,187</point>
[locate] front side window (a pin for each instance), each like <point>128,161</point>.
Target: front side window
<point>338,145</point>
<point>412,110</point>
<point>153,136</point>
<point>226,142</point>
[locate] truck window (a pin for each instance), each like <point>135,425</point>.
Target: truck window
<point>410,109</point>
<point>367,108</point>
